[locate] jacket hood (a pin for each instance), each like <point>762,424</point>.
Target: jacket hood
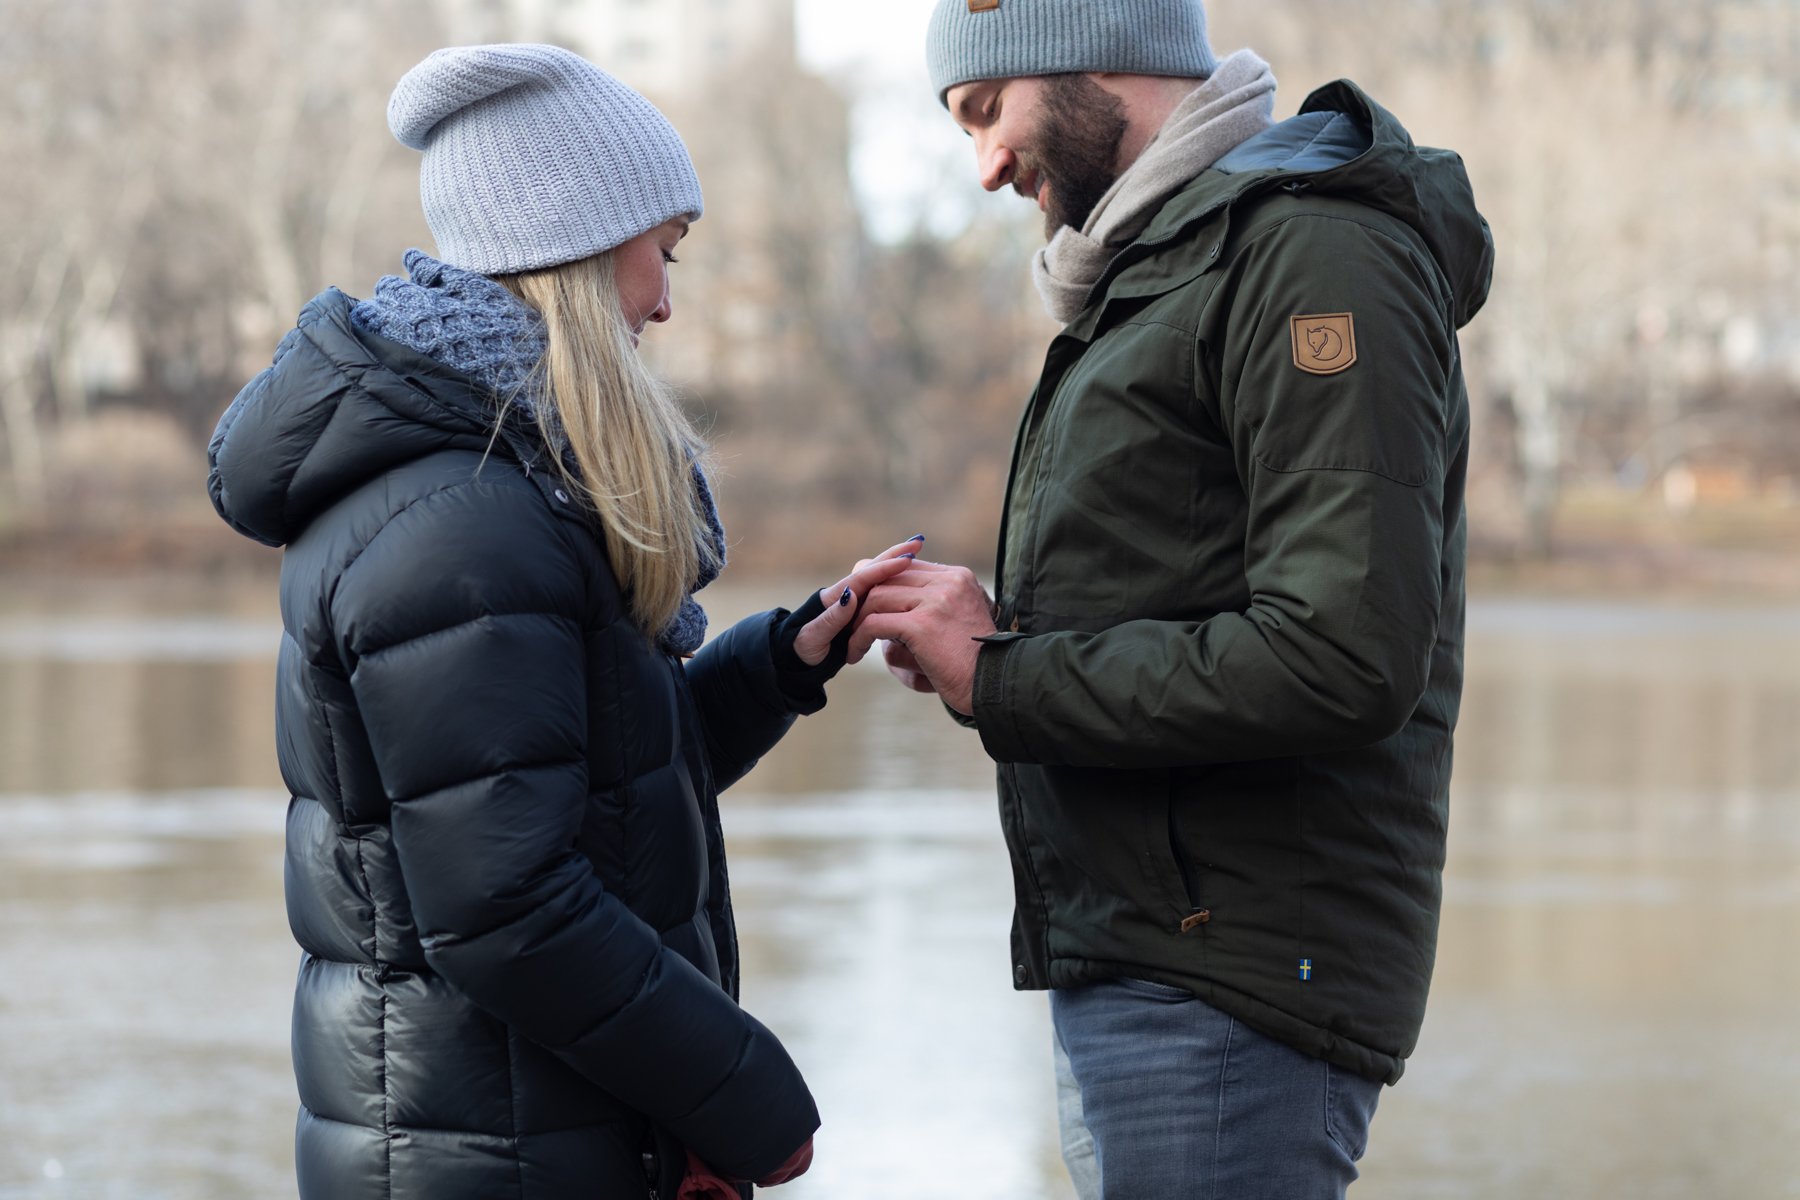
<point>1342,143</point>
<point>338,407</point>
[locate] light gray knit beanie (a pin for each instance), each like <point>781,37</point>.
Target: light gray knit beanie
<point>1004,39</point>
<point>534,157</point>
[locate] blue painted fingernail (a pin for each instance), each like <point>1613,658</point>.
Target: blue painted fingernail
<point>917,537</point>
<point>845,598</point>
<point>909,556</point>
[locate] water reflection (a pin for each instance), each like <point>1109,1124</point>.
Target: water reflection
<point>142,1024</point>
<point>1612,1015</point>
<point>149,725</point>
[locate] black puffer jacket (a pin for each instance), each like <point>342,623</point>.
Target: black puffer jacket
<point>504,861</point>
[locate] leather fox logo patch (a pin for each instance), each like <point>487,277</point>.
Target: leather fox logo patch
<point>1324,344</point>
<point>983,5</point>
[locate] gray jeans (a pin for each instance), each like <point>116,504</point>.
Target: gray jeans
<point>1160,1095</point>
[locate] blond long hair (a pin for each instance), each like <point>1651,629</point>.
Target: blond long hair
<point>634,448</point>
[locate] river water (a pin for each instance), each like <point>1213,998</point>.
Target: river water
<point>1614,1014</point>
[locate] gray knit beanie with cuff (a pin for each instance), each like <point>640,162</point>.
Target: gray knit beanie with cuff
<point>1005,39</point>
<point>534,157</point>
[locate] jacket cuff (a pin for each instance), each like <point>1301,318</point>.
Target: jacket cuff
<point>749,1126</point>
<point>994,712</point>
<point>802,685</point>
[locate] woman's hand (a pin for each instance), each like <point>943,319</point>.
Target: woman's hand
<point>701,1183</point>
<point>843,599</point>
<point>792,1169</point>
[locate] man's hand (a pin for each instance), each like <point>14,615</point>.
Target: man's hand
<point>933,613</point>
<point>842,598</point>
<point>903,666</point>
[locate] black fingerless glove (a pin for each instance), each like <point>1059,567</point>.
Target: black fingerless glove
<point>803,685</point>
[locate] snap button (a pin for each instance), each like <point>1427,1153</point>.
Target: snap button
<point>1019,973</point>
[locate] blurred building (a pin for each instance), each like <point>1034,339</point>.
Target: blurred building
<point>1755,70</point>
<point>671,47</point>
<point>665,47</point>
<point>1755,45</point>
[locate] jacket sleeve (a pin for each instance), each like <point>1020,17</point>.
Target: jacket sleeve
<point>738,691</point>
<point>1344,479</point>
<point>460,627</point>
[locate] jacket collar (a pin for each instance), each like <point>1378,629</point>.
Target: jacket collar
<point>1342,143</point>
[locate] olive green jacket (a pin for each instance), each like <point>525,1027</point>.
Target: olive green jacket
<point>1231,593</point>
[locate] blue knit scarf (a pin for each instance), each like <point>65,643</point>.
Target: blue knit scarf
<point>473,325</point>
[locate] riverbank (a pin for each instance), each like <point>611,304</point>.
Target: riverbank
<point>1642,558</point>
<point>165,564</point>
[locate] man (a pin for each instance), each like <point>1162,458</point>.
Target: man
<point>1225,660</point>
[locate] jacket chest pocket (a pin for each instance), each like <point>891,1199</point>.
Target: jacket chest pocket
<point>1117,473</point>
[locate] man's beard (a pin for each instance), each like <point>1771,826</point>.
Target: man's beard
<point>1075,148</point>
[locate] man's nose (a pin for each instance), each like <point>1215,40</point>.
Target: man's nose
<point>996,163</point>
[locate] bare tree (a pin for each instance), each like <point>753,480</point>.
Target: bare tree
<point>182,175</point>
<point>1639,163</point>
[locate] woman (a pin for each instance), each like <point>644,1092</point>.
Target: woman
<point>503,736</point>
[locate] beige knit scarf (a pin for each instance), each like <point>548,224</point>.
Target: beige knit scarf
<point>1235,104</point>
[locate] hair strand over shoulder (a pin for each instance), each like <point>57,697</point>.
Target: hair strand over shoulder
<point>635,450</point>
